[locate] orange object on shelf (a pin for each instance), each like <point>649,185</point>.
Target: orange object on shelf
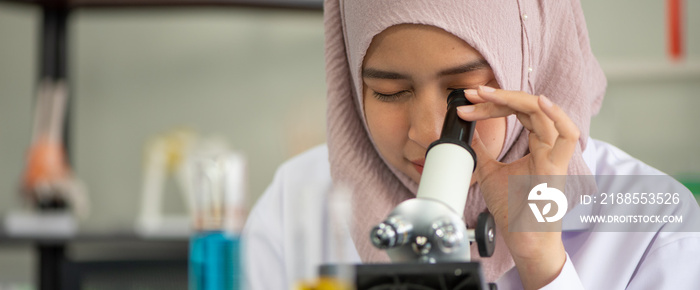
<point>675,28</point>
<point>47,181</point>
<point>46,163</point>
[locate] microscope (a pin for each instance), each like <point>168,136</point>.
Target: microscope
<point>426,237</point>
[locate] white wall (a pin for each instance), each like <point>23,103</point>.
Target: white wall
<point>650,107</point>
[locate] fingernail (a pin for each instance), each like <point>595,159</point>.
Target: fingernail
<point>471,92</point>
<point>466,109</point>
<point>546,101</point>
<point>487,89</point>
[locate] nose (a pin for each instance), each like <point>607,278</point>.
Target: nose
<point>427,113</point>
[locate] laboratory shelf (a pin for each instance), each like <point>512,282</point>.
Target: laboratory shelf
<point>659,70</point>
<point>116,259</point>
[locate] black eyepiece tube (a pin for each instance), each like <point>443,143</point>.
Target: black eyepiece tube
<point>454,127</point>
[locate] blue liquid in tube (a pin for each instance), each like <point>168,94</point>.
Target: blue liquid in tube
<point>214,262</point>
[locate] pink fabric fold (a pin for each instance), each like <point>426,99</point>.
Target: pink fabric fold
<point>540,47</point>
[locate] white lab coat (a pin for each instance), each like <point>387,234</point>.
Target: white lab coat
<point>595,260</point>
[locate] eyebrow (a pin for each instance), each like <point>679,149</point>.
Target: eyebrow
<point>371,73</point>
<point>471,66</point>
<point>468,67</point>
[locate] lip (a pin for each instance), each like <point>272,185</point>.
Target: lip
<point>418,165</point>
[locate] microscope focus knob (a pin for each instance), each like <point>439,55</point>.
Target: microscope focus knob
<point>390,233</point>
<point>383,236</point>
<point>485,234</point>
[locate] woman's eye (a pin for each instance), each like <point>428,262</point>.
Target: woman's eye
<point>389,97</point>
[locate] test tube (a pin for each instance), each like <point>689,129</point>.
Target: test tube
<point>218,218</point>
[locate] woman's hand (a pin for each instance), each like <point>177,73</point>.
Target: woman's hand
<point>539,256</point>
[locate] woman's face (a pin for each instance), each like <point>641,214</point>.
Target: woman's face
<point>408,72</point>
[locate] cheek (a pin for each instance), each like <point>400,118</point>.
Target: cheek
<point>493,134</point>
<point>388,127</point>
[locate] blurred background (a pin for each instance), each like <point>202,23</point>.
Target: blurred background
<point>255,77</point>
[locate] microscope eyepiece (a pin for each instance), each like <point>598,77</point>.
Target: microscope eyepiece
<point>454,129</point>
<point>457,98</point>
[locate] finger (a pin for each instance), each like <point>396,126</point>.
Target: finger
<point>541,126</point>
<point>538,148</point>
<point>528,111</point>
<point>483,111</point>
<point>517,100</point>
<point>485,162</point>
<point>473,96</point>
<point>541,158</point>
<point>569,133</point>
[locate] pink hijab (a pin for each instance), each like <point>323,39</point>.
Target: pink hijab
<point>540,47</point>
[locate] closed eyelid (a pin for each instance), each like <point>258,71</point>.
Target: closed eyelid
<point>390,97</point>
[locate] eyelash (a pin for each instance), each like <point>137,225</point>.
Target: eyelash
<point>396,96</point>
<point>390,97</point>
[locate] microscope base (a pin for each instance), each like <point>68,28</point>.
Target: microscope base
<point>440,276</point>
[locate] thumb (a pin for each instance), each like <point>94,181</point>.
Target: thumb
<point>485,162</point>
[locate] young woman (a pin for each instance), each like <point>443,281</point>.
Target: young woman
<point>528,67</point>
